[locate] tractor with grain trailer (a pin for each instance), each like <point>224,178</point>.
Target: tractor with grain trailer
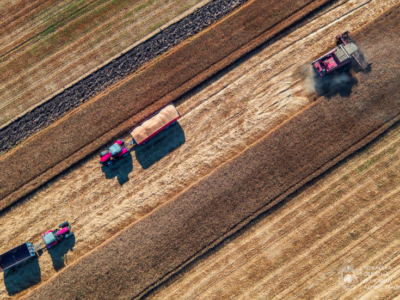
<point>339,57</point>
<point>156,123</point>
<point>28,250</point>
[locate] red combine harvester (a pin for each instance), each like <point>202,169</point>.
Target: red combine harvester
<point>154,124</point>
<point>115,152</point>
<point>340,56</point>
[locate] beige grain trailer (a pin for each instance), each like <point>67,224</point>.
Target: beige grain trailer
<point>154,124</point>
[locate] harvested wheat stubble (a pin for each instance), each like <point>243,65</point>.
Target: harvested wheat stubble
<point>152,249</point>
<point>98,81</point>
<point>143,93</point>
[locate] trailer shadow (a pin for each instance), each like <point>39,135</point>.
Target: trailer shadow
<point>160,145</point>
<point>59,252</point>
<point>120,169</point>
<point>22,276</point>
<point>339,82</point>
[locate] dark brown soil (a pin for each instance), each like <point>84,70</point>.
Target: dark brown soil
<point>97,122</point>
<point>152,249</point>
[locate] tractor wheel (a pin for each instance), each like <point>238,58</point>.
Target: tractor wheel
<point>65,224</point>
<point>103,153</point>
<point>110,163</point>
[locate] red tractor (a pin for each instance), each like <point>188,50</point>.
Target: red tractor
<point>115,152</point>
<point>340,56</point>
<point>53,237</point>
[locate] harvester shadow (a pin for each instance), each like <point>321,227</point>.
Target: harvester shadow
<point>59,252</point>
<point>339,82</point>
<point>23,276</point>
<point>120,169</point>
<point>160,146</point>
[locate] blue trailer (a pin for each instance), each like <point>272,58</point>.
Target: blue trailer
<point>16,256</point>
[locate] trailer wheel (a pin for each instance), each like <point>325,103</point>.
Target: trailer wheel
<point>65,224</point>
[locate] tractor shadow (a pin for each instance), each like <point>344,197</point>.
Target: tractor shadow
<point>339,82</point>
<point>22,276</point>
<point>59,252</point>
<point>160,145</point>
<point>120,169</point>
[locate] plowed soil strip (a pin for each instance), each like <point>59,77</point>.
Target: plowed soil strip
<point>154,248</point>
<point>95,123</point>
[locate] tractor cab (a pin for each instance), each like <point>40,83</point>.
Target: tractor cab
<point>49,239</point>
<point>115,149</point>
<point>113,153</point>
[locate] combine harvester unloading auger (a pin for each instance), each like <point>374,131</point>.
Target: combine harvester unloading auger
<point>340,56</point>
